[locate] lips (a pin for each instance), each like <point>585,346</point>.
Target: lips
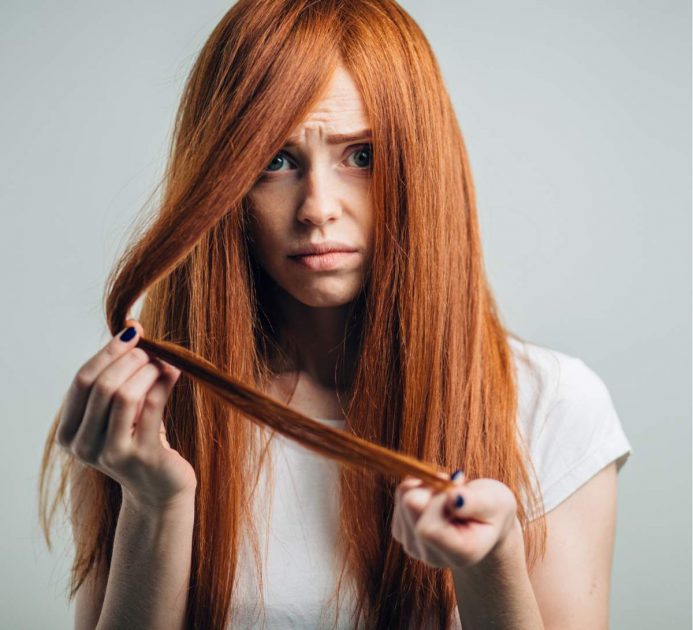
<point>325,262</point>
<point>322,248</point>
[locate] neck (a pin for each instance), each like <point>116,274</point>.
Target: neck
<point>317,337</point>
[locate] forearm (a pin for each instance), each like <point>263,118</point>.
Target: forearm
<point>150,568</point>
<point>497,593</point>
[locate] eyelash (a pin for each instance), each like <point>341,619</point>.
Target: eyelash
<point>268,174</point>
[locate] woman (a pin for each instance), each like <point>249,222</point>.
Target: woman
<point>306,127</point>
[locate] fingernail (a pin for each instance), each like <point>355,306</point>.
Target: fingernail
<point>459,501</point>
<point>457,474</point>
<point>128,333</point>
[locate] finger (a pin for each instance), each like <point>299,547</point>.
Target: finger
<point>469,502</point>
<point>466,541</point>
<point>150,422</point>
<point>415,494</point>
<point>434,528</point>
<point>445,542</point>
<point>458,477</point>
<point>127,403</point>
<point>398,526</point>
<point>413,503</point>
<point>91,434</point>
<point>78,392</point>
<point>409,481</point>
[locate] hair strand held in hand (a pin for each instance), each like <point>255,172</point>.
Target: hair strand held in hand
<point>433,389</point>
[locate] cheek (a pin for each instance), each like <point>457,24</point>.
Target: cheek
<point>266,241</point>
<point>268,225</point>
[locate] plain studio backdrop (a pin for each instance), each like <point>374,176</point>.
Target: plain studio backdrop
<point>577,121</point>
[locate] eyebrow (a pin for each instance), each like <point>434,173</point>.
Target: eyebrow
<point>338,138</point>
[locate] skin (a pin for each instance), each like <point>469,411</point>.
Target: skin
<point>315,191</point>
<point>311,193</point>
<point>112,420</point>
<point>112,415</point>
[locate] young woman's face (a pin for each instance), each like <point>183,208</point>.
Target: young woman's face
<point>315,191</point>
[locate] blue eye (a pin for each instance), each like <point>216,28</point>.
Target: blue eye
<point>366,151</point>
<point>277,158</point>
<point>363,159</point>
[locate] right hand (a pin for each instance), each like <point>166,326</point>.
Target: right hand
<point>112,420</point>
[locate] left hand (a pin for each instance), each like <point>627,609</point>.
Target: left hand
<point>430,527</point>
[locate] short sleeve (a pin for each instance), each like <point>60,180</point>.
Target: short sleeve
<point>580,435</point>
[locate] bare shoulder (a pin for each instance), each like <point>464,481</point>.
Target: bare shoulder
<point>90,595</point>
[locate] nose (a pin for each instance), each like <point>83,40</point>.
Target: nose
<point>320,202</point>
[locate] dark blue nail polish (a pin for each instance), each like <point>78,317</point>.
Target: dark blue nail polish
<point>459,501</point>
<point>456,475</point>
<point>128,333</point>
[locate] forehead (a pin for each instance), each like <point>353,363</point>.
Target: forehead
<point>339,110</point>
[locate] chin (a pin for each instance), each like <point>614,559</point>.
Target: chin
<point>324,293</point>
<point>323,299</point>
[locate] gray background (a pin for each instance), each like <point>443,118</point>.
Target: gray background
<point>577,120</point>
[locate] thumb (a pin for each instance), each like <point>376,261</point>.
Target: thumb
<point>152,428</point>
<point>162,435</point>
<point>135,324</point>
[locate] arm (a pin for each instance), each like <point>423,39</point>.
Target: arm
<point>112,420</point>
<point>150,569</point>
<point>483,546</point>
<point>581,533</point>
<point>151,563</point>
<point>570,586</point>
<point>497,592</point>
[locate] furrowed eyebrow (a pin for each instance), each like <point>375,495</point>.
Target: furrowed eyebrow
<point>338,138</point>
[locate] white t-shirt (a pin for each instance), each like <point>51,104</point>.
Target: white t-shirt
<point>566,416</point>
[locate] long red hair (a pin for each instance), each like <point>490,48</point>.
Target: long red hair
<point>433,388</point>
